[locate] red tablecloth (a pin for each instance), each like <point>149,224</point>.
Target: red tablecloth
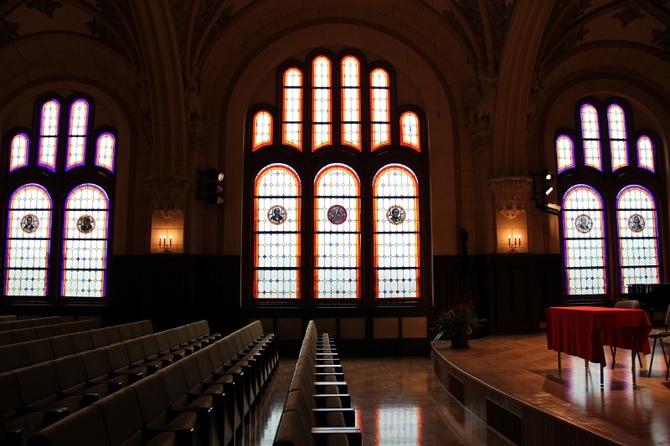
<point>583,331</point>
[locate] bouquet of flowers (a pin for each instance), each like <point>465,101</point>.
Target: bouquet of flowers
<point>458,319</point>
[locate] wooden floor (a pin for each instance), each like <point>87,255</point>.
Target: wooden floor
<point>404,400</point>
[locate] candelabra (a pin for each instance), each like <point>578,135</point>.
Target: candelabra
<point>514,243</point>
<point>164,243</point>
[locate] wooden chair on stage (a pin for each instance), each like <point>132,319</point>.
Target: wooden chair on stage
<point>660,335</point>
<point>632,304</point>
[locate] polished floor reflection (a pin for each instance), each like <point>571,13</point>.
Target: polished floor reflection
<point>398,401</point>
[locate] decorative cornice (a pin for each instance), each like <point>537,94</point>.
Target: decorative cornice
<point>168,194</point>
<point>511,194</point>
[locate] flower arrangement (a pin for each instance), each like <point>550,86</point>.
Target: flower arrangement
<point>458,319</point>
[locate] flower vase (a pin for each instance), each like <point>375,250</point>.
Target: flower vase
<point>459,341</point>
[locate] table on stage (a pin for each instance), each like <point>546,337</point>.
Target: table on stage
<point>584,331</point>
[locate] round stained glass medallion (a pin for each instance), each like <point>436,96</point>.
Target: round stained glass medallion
<point>636,223</point>
<point>277,215</point>
<point>86,224</point>
<point>337,214</point>
<point>583,223</point>
<point>395,215</point>
<point>30,223</point>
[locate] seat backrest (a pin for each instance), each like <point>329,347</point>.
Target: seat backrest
<point>99,337</point>
<point>113,334</point>
<point>82,341</point>
<point>628,303</point>
<point>96,362</point>
<point>175,382</point>
<point>62,345</point>
<point>37,382</point>
<point>118,356</point>
<point>11,397</point>
<point>135,350</point>
<point>39,350</point>
<point>126,332</point>
<point>152,396</point>
<point>85,427</point>
<point>70,370</point>
<point>13,356</point>
<point>123,418</point>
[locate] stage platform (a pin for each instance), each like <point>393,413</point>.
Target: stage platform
<point>513,384</point>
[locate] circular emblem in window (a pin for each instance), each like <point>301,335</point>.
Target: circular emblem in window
<point>277,215</point>
<point>636,223</point>
<point>86,224</point>
<point>395,215</point>
<point>583,223</point>
<point>337,214</point>
<point>30,223</point>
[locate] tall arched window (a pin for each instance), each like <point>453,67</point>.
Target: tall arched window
<point>610,219</point>
<point>365,160</point>
<point>57,215</point>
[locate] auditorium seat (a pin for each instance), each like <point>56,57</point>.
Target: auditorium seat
<point>82,341</point>
<point>62,345</point>
<point>13,356</point>
<point>39,350</point>
<point>83,428</point>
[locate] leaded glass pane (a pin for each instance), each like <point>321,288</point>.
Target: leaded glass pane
<point>321,103</point>
<point>591,136</point>
<point>351,102</point>
<point>292,108</point>
<point>28,242</point>
<point>585,281</point>
<point>617,131</point>
<point>85,242</point>
<point>337,233</point>
<point>381,103</point>
<point>584,241</point>
<point>409,130</point>
<point>396,233</point>
<point>397,283</point>
<point>337,283</point>
<point>646,157</point>
<point>18,156</point>
<point>76,147</point>
<point>105,153</point>
<point>565,153</point>
<point>277,284</point>
<point>277,239</point>
<point>262,130</point>
<point>49,134</point>
<point>638,237</point>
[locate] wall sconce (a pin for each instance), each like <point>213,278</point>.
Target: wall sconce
<point>165,243</point>
<point>514,243</point>
<point>210,186</point>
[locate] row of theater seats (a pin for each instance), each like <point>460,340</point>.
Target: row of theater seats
<point>14,322</point>
<point>13,336</point>
<point>23,354</point>
<point>318,408</point>
<point>201,399</point>
<point>37,395</point>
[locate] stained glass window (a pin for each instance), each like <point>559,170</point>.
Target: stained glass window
<point>321,103</point>
<point>105,152</point>
<point>646,158</point>
<point>584,241</point>
<point>337,236</point>
<point>18,152</point>
<point>292,108</point>
<point>609,220</point>
<point>351,102</point>
<point>57,239</point>
<point>49,134</point>
<point>85,242</point>
<point>591,136</point>
<point>277,225</point>
<point>565,153</point>
<point>396,233</point>
<point>76,146</point>
<point>638,237</point>
<point>28,242</point>
<point>262,130</point>
<point>409,130</point>
<point>617,134</point>
<point>362,244</point>
<point>380,104</point>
